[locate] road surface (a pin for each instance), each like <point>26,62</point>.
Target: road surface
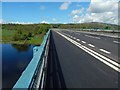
<point>71,64</point>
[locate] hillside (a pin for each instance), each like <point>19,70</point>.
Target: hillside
<point>92,25</point>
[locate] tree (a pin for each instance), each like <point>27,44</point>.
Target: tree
<point>16,37</point>
<point>106,27</point>
<point>29,34</point>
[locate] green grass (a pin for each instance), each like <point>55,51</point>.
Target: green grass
<point>35,40</point>
<point>7,37</point>
<point>7,34</point>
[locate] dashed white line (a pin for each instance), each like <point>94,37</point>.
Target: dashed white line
<point>74,38</point>
<point>116,42</point>
<point>105,51</point>
<point>71,36</point>
<point>83,42</point>
<point>98,56</point>
<point>78,39</point>
<point>92,36</point>
<point>78,33</point>
<point>91,45</point>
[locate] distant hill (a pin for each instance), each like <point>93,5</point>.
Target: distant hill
<point>91,25</point>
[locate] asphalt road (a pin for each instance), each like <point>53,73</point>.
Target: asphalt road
<point>106,43</point>
<point>71,67</point>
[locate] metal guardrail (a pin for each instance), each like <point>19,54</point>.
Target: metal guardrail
<point>98,30</point>
<point>33,76</point>
<point>91,30</point>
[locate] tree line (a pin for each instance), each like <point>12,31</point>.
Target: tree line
<point>88,26</point>
<point>24,32</point>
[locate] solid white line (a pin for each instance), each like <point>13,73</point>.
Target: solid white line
<point>78,39</point>
<point>91,45</point>
<point>116,42</point>
<point>105,51</point>
<point>98,56</point>
<point>111,61</point>
<point>83,42</point>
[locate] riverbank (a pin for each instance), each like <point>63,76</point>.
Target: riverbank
<point>7,38</point>
<point>33,41</point>
<point>23,34</point>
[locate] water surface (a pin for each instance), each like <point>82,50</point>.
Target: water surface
<point>15,59</point>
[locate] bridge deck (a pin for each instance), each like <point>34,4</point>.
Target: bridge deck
<point>71,67</point>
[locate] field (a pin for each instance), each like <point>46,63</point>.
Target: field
<point>7,37</point>
<point>34,33</point>
<point>23,34</point>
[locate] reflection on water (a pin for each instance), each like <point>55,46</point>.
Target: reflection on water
<point>21,47</point>
<point>15,59</point>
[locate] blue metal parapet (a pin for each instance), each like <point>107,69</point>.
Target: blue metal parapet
<point>36,66</point>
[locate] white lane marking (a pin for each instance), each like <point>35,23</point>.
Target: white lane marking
<point>98,56</point>
<point>116,36</point>
<point>105,51</point>
<point>74,38</point>
<point>92,37</point>
<point>116,42</point>
<point>91,45</point>
<point>78,33</point>
<point>83,42</point>
<point>78,39</point>
<point>71,36</point>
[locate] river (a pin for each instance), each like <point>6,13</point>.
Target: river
<point>15,59</point>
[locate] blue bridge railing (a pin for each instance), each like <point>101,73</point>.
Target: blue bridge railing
<point>33,76</point>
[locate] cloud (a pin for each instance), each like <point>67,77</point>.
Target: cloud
<point>64,6</point>
<point>104,11</point>
<point>2,21</point>
<point>75,12</point>
<point>102,6</point>
<point>76,18</point>
<point>54,19</point>
<point>44,21</point>
<point>17,22</point>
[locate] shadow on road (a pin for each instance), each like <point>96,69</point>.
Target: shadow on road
<point>55,77</point>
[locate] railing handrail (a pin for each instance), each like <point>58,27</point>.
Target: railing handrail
<point>26,78</point>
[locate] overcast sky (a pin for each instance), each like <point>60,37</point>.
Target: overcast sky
<point>105,11</point>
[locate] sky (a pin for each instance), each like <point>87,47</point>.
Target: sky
<point>105,11</point>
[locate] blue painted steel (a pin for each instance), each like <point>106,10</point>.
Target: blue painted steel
<point>35,49</point>
<point>25,79</point>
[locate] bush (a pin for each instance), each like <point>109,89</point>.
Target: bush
<point>29,34</point>
<point>19,31</point>
<point>16,37</point>
<point>23,37</point>
<point>40,32</point>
